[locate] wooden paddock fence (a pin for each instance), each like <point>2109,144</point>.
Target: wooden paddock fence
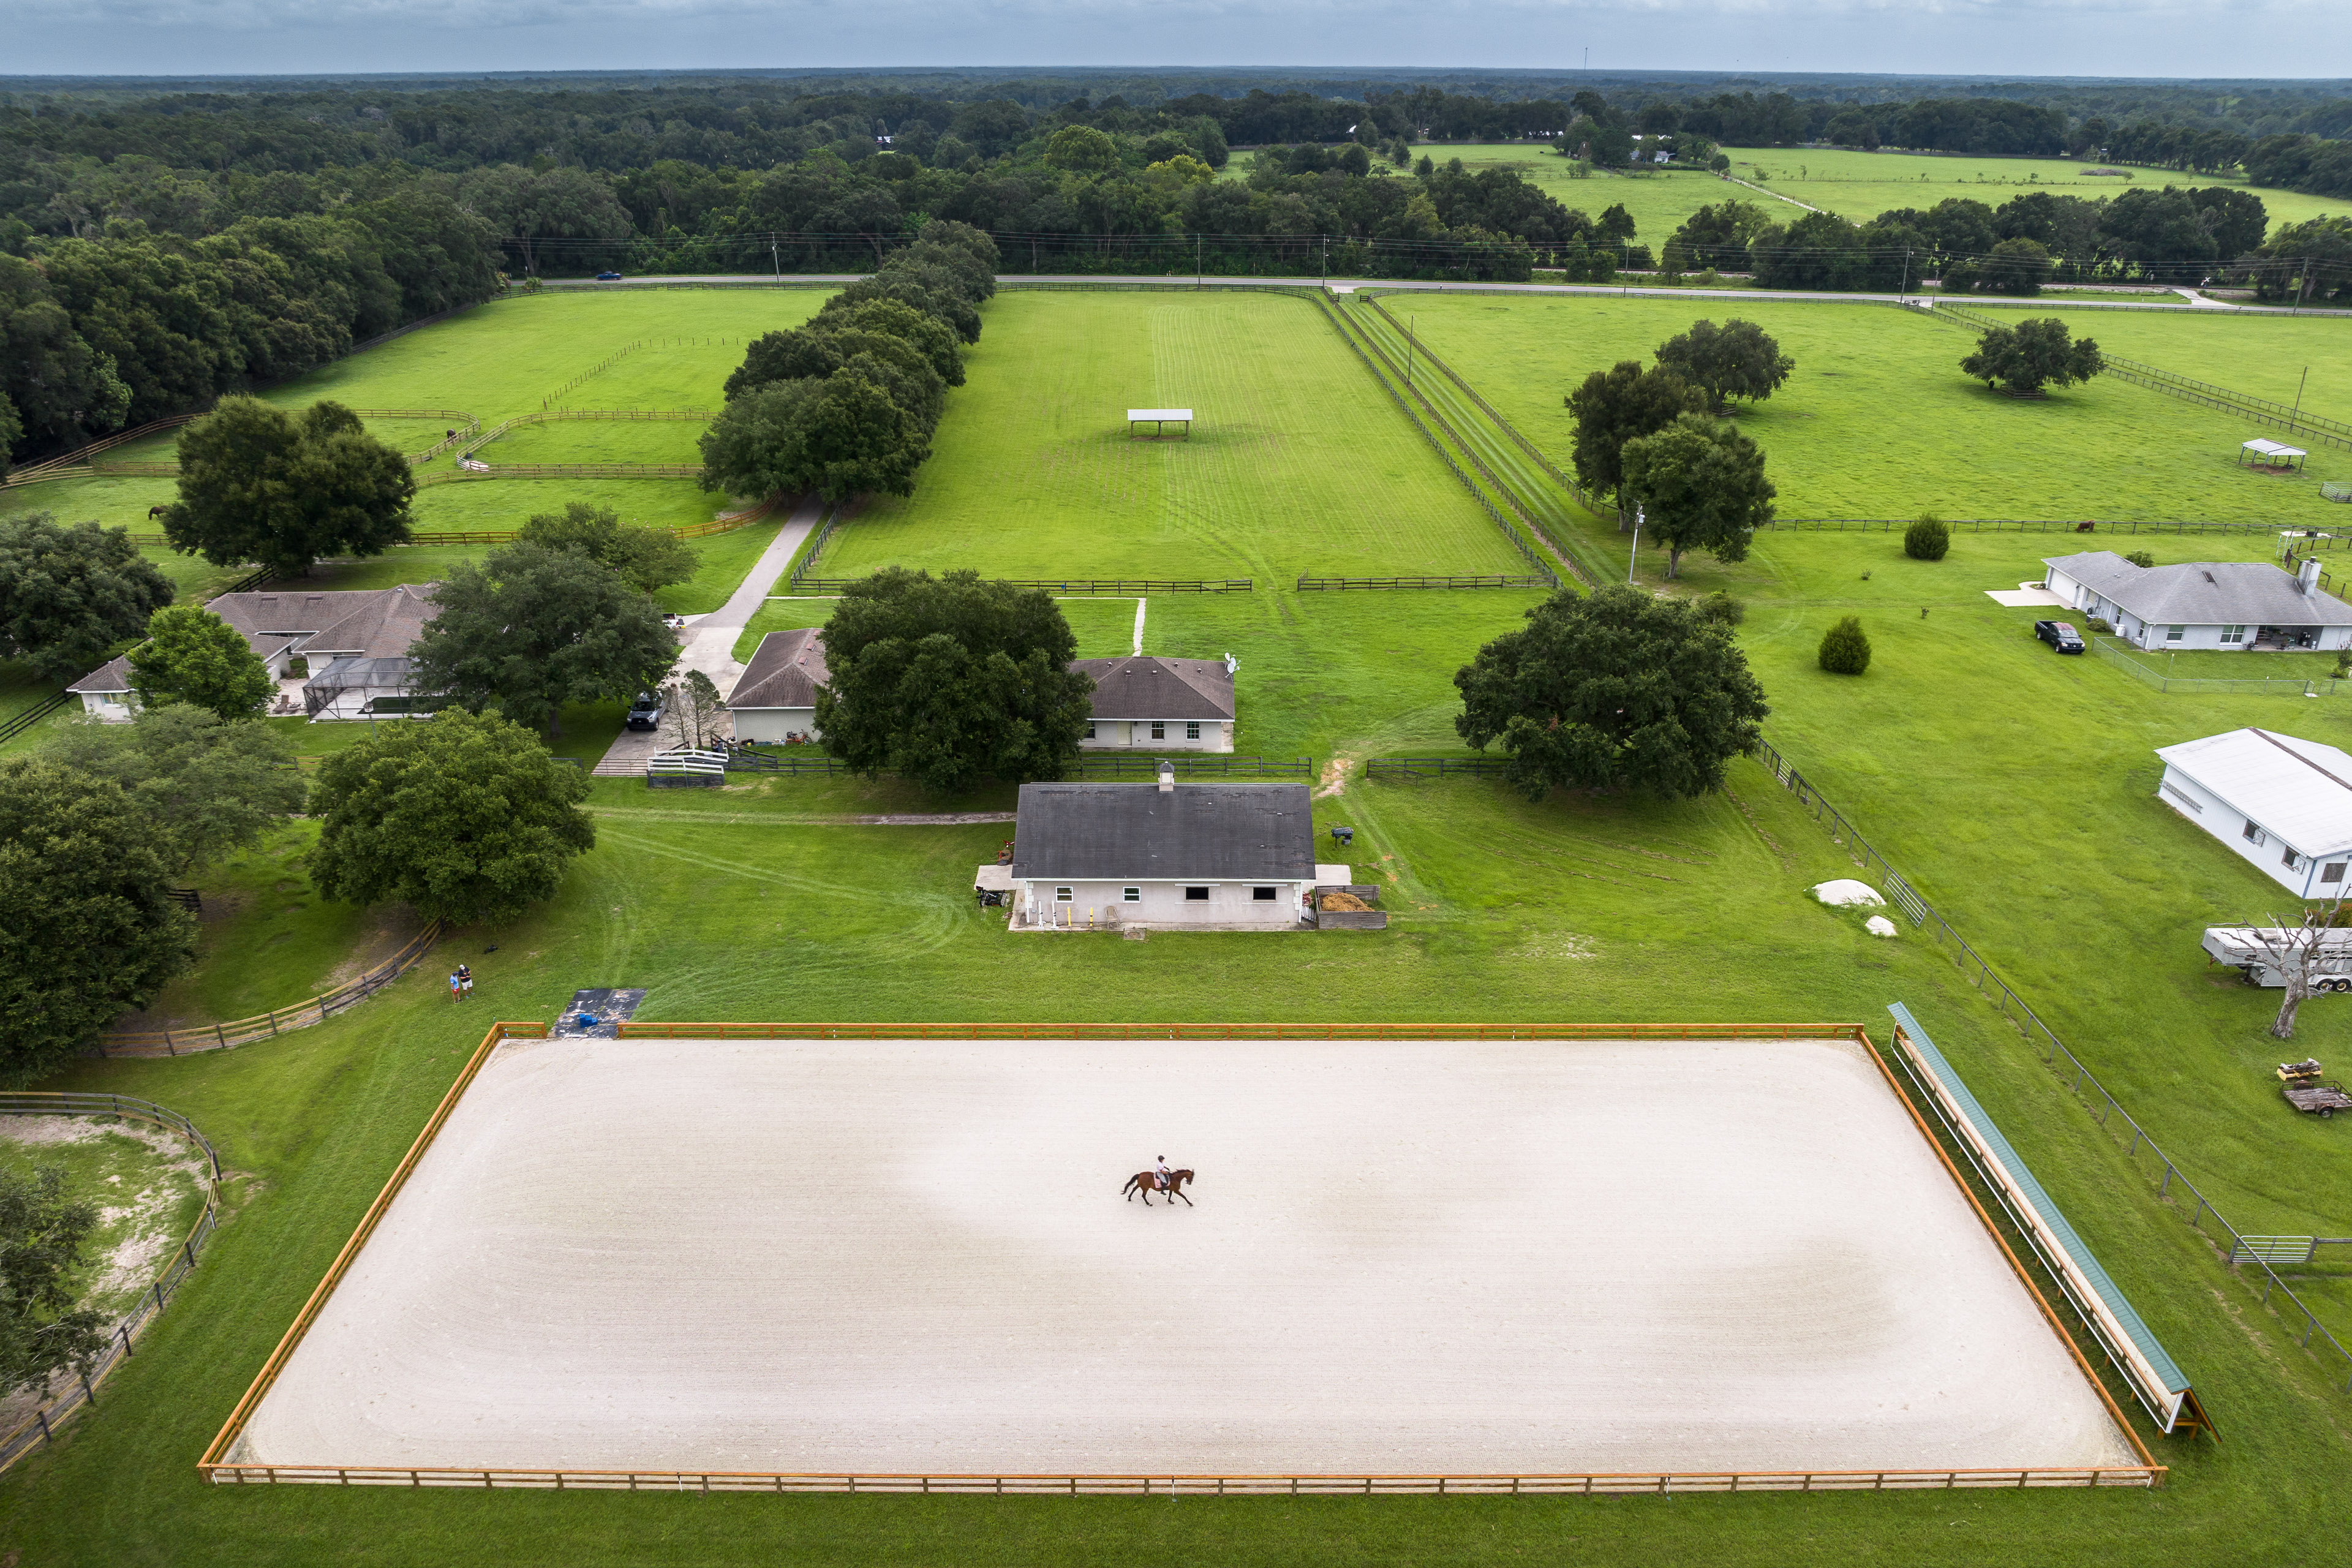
<point>277,1020</point>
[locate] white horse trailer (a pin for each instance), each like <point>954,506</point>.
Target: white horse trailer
<point>2243,949</point>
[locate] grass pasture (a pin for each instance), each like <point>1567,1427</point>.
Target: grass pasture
<point>1859,186</point>
<point>1657,200</point>
<point>1291,466</point>
<point>1878,420</point>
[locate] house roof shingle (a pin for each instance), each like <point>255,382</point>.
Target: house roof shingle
<point>2203,592</point>
<point>1144,687</point>
<point>785,670</point>
<point>2300,790</point>
<point>378,623</point>
<point>1115,832</point>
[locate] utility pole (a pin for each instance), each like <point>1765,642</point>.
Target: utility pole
<point>1903,295</point>
<point>2291,418</point>
<point>1196,262</point>
<point>1636,556</point>
<point>776,256</point>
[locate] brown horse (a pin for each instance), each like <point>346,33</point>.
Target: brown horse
<point>1147,1182</point>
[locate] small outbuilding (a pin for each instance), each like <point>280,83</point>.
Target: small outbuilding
<point>1217,856</point>
<point>2222,605</point>
<point>2283,802</point>
<point>775,701</point>
<point>1160,419</point>
<point>1146,703</point>
<point>2275,457</point>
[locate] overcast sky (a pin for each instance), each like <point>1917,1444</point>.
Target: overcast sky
<point>2006,38</point>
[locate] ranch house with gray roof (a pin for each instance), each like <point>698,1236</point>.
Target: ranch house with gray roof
<point>1147,703</point>
<point>1215,857</point>
<point>2224,605</point>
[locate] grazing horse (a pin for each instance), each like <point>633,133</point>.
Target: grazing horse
<point>1147,1182</point>
<point>156,512</point>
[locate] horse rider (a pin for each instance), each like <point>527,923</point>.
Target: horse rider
<point>1160,1172</point>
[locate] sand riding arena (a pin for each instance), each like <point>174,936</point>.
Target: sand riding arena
<point>849,1258</point>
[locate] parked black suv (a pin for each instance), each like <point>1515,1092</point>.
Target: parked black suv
<point>645,712</point>
<point>2060,635</point>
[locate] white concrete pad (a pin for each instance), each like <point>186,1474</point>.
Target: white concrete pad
<point>2023,595</point>
<point>1424,1257</point>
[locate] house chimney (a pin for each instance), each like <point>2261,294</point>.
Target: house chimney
<point>1167,778</point>
<point>2307,573</point>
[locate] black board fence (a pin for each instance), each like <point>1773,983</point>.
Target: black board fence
<point>25,719</point>
<point>1436,767</point>
<point>71,1393</point>
<point>1341,584</point>
<point>1194,766</point>
<point>2318,540</point>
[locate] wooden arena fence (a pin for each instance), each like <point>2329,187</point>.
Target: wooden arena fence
<point>218,1466</point>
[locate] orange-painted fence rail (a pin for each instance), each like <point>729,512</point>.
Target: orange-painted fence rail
<point>235,1426</point>
<point>1654,1484</point>
<point>731,1031</point>
<point>277,1020</point>
<point>67,1394</point>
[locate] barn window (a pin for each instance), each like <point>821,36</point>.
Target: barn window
<point>1191,732</point>
<point>1130,895</point>
<point>2292,862</point>
<point>1196,895</point>
<point>2332,873</point>
<point>1159,730</point>
<point>1060,895</point>
<point>2255,836</point>
<point>1264,893</point>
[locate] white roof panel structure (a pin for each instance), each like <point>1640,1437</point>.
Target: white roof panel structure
<point>2299,790</point>
<point>2271,449</point>
<point>1160,414</point>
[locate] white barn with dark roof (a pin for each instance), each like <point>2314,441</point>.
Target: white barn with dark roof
<point>1144,702</point>
<point>2283,802</point>
<point>2203,603</point>
<point>1219,856</point>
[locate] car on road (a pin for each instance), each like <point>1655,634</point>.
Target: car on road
<point>645,712</point>
<point>2060,635</point>
<point>608,278</point>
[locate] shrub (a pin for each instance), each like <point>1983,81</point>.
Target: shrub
<point>1722,609</point>
<point>1927,540</point>
<point>2098,624</point>
<point>1845,650</point>
<point>2140,558</point>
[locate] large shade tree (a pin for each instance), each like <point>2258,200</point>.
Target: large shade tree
<point>1737,360</point>
<point>192,655</point>
<point>88,928</point>
<point>2031,355</point>
<point>646,557</point>
<point>529,629</point>
<point>1700,485</point>
<point>1613,407</point>
<point>44,1329</point>
<point>262,485</point>
<point>950,679</point>
<point>464,816</point>
<point>1619,690</point>
<point>71,597</point>
<point>206,786</point>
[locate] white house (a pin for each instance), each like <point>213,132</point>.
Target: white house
<point>1145,703</point>
<point>2283,802</point>
<point>775,699</point>
<point>2203,603</point>
<point>1218,856</point>
<point>354,646</point>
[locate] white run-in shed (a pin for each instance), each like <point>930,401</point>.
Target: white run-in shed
<point>2283,802</point>
<point>1160,419</point>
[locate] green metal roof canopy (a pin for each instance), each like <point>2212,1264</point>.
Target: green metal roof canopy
<point>2154,1378</point>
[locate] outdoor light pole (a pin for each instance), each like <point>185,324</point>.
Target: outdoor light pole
<point>776,256</point>
<point>1636,555</point>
